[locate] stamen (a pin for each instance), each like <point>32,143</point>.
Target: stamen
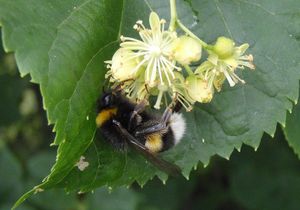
<point>132,47</point>
<point>184,102</point>
<point>171,64</point>
<point>168,67</point>
<point>153,75</point>
<point>140,22</point>
<point>238,78</point>
<point>162,22</point>
<point>139,65</point>
<point>135,27</point>
<point>247,64</point>
<point>131,43</point>
<point>109,62</point>
<point>231,82</point>
<point>145,36</point>
<point>147,79</point>
<point>159,71</point>
<point>166,42</point>
<point>135,55</point>
<point>165,72</point>
<point>158,100</point>
<point>250,57</point>
<point>211,80</point>
<point>124,38</point>
<point>206,74</point>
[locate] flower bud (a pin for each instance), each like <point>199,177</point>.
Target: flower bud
<point>123,66</point>
<point>198,89</point>
<point>224,47</point>
<point>186,50</point>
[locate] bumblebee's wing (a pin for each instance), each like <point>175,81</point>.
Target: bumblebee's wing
<point>161,164</point>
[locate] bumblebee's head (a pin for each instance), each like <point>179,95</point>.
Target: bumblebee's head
<point>107,100</point>
<point>107,108</point>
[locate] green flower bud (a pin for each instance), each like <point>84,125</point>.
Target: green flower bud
<point>123,66</point>
<point>224,47</point>
<point>186,50</point>
<point>198,89</point>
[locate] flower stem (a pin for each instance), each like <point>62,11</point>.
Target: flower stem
<point>174,22</point>
<point>188,69</point>
<point>172,26</point>
<point>191,34</point>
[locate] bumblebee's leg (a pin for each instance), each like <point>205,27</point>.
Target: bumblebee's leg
<point>111,133</point>
<point>157,126</point>
<point>135,114</point>
<point>166,115</point>
<point>128,136</point>
<point>175,106</point>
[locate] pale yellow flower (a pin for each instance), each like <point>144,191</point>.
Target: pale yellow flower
<point>223,60</point>
<point>198,89</point>
<point>124,65</point>
<point>153,50</point>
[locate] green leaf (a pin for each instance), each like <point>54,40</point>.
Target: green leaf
<point>63,46</point>
<point>292,131</point>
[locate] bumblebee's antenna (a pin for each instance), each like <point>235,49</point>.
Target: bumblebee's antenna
<point>104,89</point>
<point>146,88</point>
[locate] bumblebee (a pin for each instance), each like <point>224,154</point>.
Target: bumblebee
<point>125,123</point>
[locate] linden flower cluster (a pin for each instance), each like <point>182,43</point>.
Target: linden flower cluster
<point>161,65</point>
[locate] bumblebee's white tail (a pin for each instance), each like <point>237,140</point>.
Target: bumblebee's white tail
<point>178,126</point>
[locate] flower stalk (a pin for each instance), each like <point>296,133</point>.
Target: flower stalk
<point>174,22</point>
<point>173,11</point>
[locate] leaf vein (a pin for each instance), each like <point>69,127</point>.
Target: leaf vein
<point>223,18</point>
